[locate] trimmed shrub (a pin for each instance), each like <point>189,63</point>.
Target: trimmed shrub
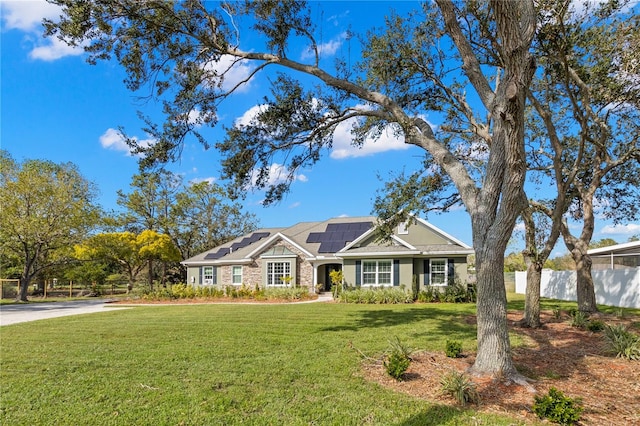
<point>286,293</point>
<point>399,360</point>
<point>595,326</point>
<point>397,365</point>
<point>557,407</point>
<point>453,348</point>
<point>381,295</point>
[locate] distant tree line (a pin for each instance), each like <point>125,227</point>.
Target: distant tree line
<point>52,226</point>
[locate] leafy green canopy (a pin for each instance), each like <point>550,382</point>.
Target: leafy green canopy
<point>46,208</point>
<point>175,49</point>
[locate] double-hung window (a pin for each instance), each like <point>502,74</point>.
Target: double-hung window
<point>236,275</point>
<point>207,275</point>
<point>377,272</point>
<point>278,273</point>
<point>438,268</point>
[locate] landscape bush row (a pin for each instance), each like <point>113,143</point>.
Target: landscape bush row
<point>453,293</point>
<point>243,292</point>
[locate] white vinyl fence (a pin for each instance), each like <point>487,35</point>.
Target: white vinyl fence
<point>614,287</point>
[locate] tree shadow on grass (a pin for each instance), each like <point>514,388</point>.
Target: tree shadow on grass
<point>435,415</point>
<point>440,322</point>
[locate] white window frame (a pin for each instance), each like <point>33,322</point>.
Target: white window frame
<point>273,278</point>
<point>443,273</point>
<point>207,275</point>
<point>234,275</point>
<point>376,273</point>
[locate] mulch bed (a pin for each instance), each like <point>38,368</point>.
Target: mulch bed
<point>572,360</point>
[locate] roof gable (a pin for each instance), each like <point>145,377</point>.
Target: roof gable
<point>418,237</point>
<point>337,237</point>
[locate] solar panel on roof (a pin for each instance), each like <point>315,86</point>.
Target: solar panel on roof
<point>314,237</point>
<point>331,227</point>
<point>217,255</point>
<point>336,235</point>
<point>237,245</point>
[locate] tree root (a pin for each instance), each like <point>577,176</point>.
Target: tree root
<point>510,378</point>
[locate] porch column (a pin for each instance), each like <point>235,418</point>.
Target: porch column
<point>315,276</point>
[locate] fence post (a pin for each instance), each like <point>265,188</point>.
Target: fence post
<point>70,288</point>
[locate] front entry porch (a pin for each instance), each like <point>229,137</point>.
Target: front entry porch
<point>322,276</point>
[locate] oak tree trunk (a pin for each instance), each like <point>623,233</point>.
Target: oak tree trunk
<point>585,290</point>
<point>531,316</point>
<point>494,348</point>
<point>25,281</point>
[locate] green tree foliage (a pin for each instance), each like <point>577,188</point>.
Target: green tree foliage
<point>514,262</point>
<point>202,217</point>
<point>196,216</point>
<point>148,204</point>
<point>46,208</point>
<point>408,69</point>
<point>583,132</point>
<point>561,263</point>
<point>604,242</point>
<point>129,251</point>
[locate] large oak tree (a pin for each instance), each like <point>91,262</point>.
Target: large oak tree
<point>583,133</point>
<point>479,80</point>
<point>46,209</point>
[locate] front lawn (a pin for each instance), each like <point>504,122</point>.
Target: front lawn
<point>224,364</point>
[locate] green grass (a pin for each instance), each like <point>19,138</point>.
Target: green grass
<point>223,365</point>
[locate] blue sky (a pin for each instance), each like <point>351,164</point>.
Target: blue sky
<point>55,106</point>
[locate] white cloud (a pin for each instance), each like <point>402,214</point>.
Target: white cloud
<point>234,71</point>
<point>342,138</point>
<point>294,205</point>
<point>325,49</point>
<point>629,229</point>
<point>249,115</point>
<point>27,16</point>
<point>278,173</point>
<point>336,19</point>
<point>112,139</point>
<point>210,180</point>
<point>54,49</point>
<point>344,148</point>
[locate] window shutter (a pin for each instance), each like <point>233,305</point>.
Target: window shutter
<point>200,277</point>
<point>215,275</point>
<point>451,270</point>
<point>358,273</point>
<point>396,272</point>
<point>427,279</point>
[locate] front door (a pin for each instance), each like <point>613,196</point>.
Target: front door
<point>328,269</point>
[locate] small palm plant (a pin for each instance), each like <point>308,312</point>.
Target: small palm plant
<point>460,387</point>
<point>622,342</point>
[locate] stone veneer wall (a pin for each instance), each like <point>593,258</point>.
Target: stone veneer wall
<point>252,273</point>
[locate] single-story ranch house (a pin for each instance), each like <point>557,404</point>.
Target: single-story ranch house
<point>306,253</point>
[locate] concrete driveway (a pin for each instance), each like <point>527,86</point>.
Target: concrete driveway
<point>23,312</point>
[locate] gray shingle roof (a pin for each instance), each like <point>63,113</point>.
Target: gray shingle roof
<point>316,239</point>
